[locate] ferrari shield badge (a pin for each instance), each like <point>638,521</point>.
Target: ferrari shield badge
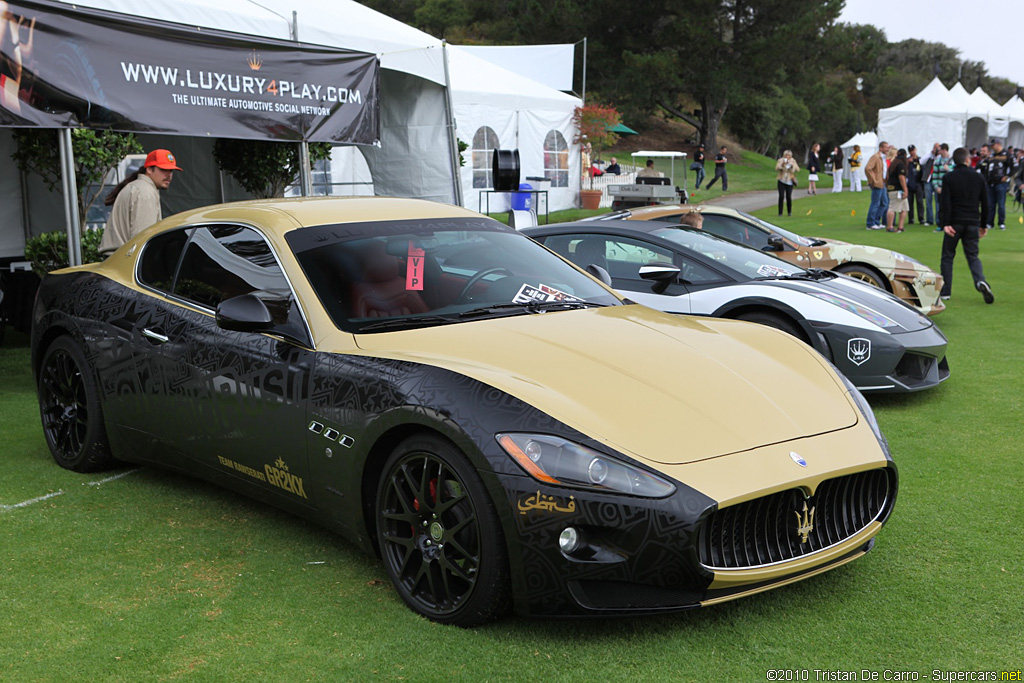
<point>858,350</point>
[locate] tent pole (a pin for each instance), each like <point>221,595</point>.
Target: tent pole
<point>305,172</point>
<point>69,185</point>
<point>583,98</point>
<point>453,145</point>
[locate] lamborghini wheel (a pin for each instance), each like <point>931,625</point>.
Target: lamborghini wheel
<point>439,535</point>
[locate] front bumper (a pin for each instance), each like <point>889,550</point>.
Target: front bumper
<point>657,555</point>
<point>883,362</point>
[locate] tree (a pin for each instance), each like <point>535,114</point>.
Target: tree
<point>96,153</point>
<point>594,123</point>
<point>264,168</point>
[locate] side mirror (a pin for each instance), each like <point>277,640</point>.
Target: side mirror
<point>775,243</point>
<point>663,274</point>
<point>600,273</point>
<point>245,313</point>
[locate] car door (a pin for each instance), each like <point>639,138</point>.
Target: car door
<point>232,405</point>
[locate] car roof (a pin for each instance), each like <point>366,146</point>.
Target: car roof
<point>287,214</point>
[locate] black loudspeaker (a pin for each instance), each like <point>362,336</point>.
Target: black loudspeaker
<point>505,167</point>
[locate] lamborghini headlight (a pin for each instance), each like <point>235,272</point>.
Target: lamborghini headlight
<point>865,410</point>
<point>554,460</point>
<point>863,312</point>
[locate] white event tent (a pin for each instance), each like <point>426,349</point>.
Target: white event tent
<point>496,106</point>
<point>868,142</point>
<point>1014,108</point>
<point>933,115</point>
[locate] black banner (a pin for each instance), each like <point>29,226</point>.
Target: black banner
<point>61,68</point>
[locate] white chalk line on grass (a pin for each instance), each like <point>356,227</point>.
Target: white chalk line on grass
<point>59,492</point>
<point>26,503</point>
<point>112,478</point>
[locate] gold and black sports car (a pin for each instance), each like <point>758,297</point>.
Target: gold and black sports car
<point>498,426</point>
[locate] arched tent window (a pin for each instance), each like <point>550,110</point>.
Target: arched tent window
<point>556,159</point>
<point>485,141</point>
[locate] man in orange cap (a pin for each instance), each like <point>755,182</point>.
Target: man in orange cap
<point>136,201</point>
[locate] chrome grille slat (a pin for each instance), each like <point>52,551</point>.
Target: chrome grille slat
<point>763,531</point>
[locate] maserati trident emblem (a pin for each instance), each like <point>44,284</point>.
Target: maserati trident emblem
<point>798,459</point>
<point>805,524</point>
<point>858,350</point>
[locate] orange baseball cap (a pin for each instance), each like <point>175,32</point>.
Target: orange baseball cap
<point>162,158</point>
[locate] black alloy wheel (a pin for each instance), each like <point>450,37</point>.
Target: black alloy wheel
<point>69,405</point>
<point>439,535</point>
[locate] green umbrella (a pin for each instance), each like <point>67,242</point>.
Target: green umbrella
<point>622,130</point>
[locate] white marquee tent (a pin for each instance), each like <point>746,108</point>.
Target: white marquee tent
<point>868,142</point>
<point>493,105</point>
<point>933,115</point>
<point>1015,111</point>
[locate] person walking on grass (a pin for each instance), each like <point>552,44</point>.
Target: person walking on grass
<point>786,169</point>
<point>837,169</point>
<point>720,171</point>
<point>963,209</point>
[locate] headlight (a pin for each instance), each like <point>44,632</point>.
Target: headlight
<point>554,460</point>
<point>864,312</point>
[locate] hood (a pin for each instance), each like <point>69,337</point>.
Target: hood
<point>654,386</point>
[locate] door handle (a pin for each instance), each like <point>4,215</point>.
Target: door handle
<point>155,337</point>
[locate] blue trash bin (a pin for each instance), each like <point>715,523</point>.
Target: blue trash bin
<point>522,201</point>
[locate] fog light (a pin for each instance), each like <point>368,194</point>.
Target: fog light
<point>569,540</point>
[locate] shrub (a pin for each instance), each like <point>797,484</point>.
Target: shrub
<point>49,251</point>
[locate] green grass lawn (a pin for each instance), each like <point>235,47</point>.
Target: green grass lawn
<point>153,576</point>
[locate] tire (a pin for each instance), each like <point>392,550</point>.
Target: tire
<point>439,534</point>
<point>773,320</point>
<point>864,274</point>
<point>69,405</point>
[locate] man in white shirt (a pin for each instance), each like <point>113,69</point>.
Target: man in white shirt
<point>137,201</point>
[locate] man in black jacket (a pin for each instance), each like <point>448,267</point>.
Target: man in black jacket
<point>963,208</point>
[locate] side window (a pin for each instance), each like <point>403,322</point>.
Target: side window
<point>737,231</point>
<point>160,258</point>
<point>625,256</point>
<point>485,141</point>
<point>556,159</point>
<point>621,257</point>
<point>697,273</point>
<point>225,261</point>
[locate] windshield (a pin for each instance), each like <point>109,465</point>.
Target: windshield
<point>791,236</point>
<point>382,276</point>
<point>750,262</point>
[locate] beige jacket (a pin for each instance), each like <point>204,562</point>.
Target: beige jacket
<point>136,208</point>
<point>875,171</point>
<point>785,175</point>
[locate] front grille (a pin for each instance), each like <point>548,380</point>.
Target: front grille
<point>767,530</point>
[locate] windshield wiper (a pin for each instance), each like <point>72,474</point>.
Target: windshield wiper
<point>808,274</point>
<point>400,323</point>
<point>529,307</point>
